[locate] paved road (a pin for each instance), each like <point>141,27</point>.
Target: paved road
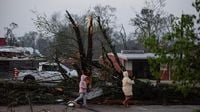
<point>104,108</point>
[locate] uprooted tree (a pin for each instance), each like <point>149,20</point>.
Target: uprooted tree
<point>106,42</point>
<point>76,40</point>
<point>104,16</point>
<point>85,59</point>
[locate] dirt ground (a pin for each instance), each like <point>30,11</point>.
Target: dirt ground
<point>103,108</point>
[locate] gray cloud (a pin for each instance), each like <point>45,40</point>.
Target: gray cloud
<point>18,11</point>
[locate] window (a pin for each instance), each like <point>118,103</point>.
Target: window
<point>49,68</point>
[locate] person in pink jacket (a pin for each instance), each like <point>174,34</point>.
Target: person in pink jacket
<point>127,84</point>
<point>82,90</point>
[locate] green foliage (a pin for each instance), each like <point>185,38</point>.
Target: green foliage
<point>164,93</point>
<point>140,88</point>
<point>70,86</point>
<point>12,94</point>
<point>180,50</point>
<point>155,65</point>
<point>184,51</point>
<point>198,110</point>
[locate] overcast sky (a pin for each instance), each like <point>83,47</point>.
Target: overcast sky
<point>19,11</point>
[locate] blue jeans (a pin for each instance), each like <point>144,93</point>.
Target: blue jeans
<point>82,96</point>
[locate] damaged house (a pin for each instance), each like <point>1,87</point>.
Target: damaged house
<point>17,57</point>
<point>136,63</point>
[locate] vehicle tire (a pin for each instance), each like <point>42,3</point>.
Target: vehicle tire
<point>29,78</point>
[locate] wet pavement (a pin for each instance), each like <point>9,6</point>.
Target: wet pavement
<point>103,108</point>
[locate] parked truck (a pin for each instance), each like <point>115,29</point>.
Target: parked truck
<point>48,72</point>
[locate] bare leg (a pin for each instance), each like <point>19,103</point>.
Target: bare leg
<point>126,101</point>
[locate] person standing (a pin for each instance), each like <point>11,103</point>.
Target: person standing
<point>15,73</point>
<point>82,90</point>
<point>127,85</point>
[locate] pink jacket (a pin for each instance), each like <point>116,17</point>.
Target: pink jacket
<point>83,84</point>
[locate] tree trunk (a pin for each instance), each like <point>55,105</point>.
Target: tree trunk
<point>109,43</point>
<point>90,46</point>
<point>80,43</point>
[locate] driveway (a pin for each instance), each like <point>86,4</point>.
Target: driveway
<point>103,108</point>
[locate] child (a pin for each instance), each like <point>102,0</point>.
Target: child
<point>127,88</point>
<point>82,90</point>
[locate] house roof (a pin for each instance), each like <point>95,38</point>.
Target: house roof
<point>131,56</point>
<point>9,49</point>
<point>13,49</point>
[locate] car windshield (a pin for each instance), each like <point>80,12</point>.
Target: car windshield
<point>49,67</point>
